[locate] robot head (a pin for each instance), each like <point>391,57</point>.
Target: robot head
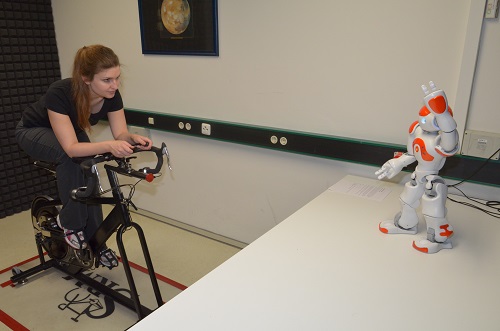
<point>428,121</point>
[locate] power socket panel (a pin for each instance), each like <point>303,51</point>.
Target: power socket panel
<point>481,144</point>
<point>491,10</point>
<point>206,129</point>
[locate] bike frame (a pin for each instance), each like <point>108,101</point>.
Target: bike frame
<point>119,221</point>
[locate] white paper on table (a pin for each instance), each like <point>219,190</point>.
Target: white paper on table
<point>367,191</point>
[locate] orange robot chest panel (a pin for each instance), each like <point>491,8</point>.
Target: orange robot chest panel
<point>420,148</point>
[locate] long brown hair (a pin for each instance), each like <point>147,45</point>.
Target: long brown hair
<point>89,60</point>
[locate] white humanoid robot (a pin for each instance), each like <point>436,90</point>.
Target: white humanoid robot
<point>432,139</point>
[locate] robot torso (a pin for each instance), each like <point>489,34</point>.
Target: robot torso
<point>422,144</point>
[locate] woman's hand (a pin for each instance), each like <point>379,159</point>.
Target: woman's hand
<point>120,131</point>
<point>124,148</point>
<point>120,148</point>
<point>144,143</point>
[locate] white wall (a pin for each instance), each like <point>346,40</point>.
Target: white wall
<point>233,190</point>
<point>314,67</point>
<point>484,111</point>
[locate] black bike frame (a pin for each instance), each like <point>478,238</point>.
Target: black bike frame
<point>119,221</point>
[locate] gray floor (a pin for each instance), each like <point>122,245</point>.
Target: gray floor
<point>52,301</point>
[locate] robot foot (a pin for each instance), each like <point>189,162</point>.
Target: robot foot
<point>389,227</point>
<point>429,247</point>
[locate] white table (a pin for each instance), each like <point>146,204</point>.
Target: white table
<point>328,267</point>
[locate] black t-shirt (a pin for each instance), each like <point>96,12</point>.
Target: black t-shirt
<point>59,99</point>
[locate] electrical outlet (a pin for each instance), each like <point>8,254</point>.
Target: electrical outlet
<point>481,144</point>
<point>206,129</point>
<point>491,10</point>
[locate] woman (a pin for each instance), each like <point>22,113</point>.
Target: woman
<point>54,130</point>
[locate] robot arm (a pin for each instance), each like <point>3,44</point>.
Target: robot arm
<point>436,102</point>
<point>448,143</point>
<point>392,167</point>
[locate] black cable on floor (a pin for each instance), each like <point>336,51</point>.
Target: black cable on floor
<point>491,208</point>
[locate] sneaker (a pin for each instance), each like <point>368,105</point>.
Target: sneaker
<point>74,238</point>
<point>108,258</point>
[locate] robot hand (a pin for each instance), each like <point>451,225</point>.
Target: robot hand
<point>436,102</point>
<point>392,167</point>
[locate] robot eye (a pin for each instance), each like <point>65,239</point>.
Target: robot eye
<point>422,120</point>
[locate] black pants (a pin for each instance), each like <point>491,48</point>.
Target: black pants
<point>41,144</point>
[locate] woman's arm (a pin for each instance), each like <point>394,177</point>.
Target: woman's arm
<point>118,125</point>
<point>65,134</point>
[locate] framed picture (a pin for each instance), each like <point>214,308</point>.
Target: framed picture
<point>179,27</point>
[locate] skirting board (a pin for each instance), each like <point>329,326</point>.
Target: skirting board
<point>458,167</point>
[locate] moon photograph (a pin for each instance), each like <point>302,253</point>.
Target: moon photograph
<point>175,15</point>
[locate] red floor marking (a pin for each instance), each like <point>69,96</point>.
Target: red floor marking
<point>11,323</point>
<point>20,263</point>
<point>16,326</point>
<point>158,276</point>
<point>9,282</point>
<point>162,278</point>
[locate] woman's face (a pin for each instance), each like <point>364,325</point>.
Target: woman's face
<point>105,83</point>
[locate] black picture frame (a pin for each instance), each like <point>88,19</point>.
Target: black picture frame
<point>162,33</point>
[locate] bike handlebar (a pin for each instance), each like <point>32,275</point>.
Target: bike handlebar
<point>123,167</point>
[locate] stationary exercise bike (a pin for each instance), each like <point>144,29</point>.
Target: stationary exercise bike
<point>50,238</point>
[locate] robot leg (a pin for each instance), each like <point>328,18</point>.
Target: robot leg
<point>439,231</point>
<point>406,220</point>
